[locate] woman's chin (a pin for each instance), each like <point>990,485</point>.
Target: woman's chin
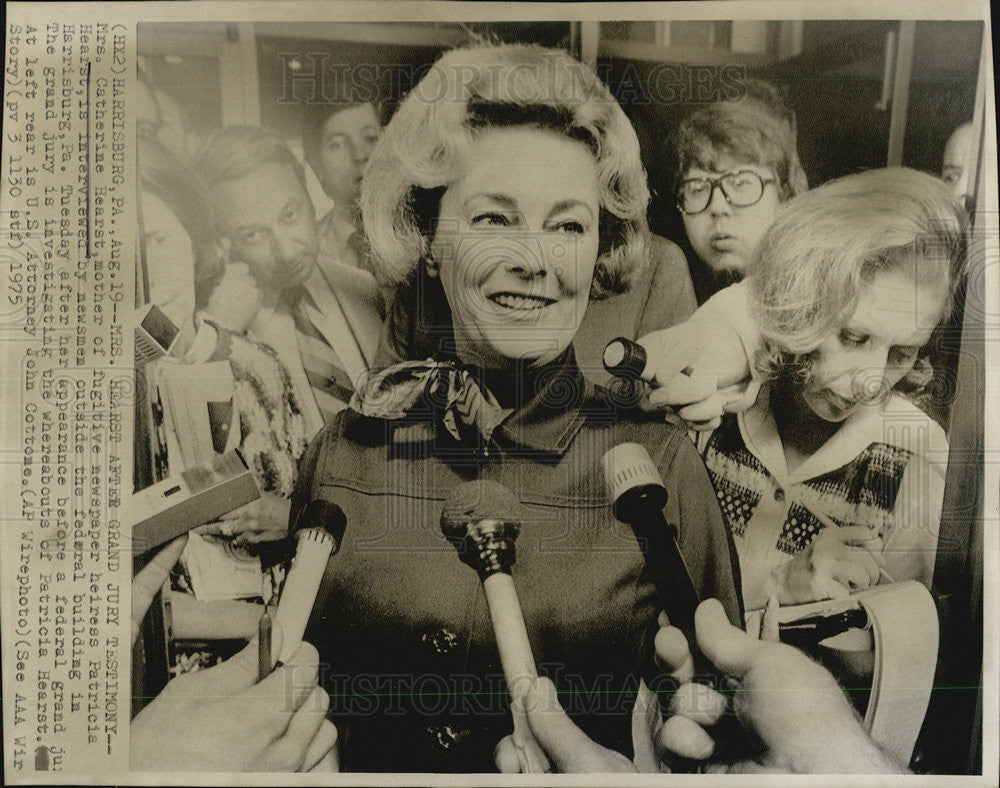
<point>511,355</point>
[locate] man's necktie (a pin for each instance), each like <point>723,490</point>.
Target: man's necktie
<point>358,250</point>
<point>330,383</point>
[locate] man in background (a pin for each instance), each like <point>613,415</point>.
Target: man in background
<point>337,140</point>
<point>319,315</point>
<point>956,164</point>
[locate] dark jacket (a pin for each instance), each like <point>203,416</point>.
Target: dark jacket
<point>401,623</point>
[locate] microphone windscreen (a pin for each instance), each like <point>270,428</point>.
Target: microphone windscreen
<point>325,515</point>
<point>628,466</point>
<point>625,358</point>
<point>479,500</point>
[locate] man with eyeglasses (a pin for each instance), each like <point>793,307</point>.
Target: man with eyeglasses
<point>737,162</point>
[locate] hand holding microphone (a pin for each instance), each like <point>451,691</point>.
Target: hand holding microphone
<point>789,705</point>
<point>637,496</point>
<point>320,530</point>
<point>694,368</point>
<point>221,719</point>
<point>480,519</point>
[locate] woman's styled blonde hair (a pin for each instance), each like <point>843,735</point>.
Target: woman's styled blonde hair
<point>826,245</point>
<point>469,91</point>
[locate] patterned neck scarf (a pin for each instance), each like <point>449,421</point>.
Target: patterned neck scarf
<point>468,411</point>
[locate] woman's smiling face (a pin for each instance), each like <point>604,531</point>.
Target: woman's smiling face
<point>516,244</point>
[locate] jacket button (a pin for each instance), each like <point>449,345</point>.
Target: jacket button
<point>446,737</point>
<point>440,642</point>
<point>779,495</point>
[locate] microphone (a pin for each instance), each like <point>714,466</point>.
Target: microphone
<point>319,528</point>
<point>637,497</point>
<point>628,362</point>
<point>480,519</point>
<point>625,359</point>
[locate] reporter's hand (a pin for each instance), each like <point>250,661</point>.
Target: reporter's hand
<point>830,567</point>
<point>692,707</point>
<point>262,520</point>
<point>570,750</point>
<point>222,720</point>
<point>567,747</point>
<point>185,338</point>
<point>786,701</point>
<point>699,369</point>
<point>236,300</point>
<point>151,578</point>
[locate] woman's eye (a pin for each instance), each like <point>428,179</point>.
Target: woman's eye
<point>490,219</point>
<point>851,339</point>
<point>157,239</point>
<point>572,227</point>
<point>290,213</point>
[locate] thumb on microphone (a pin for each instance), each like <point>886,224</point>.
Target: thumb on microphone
<point>730,649</point>
<point>569,749</point>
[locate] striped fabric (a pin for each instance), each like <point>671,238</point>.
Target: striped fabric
<point>331,385</point>
<point>358,251</point>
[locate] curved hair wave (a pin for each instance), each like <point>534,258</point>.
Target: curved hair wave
<point>470,90</point>
<point>179,185</point>
<point>825,246</point>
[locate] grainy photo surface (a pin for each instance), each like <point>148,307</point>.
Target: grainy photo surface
<point>508,391</point>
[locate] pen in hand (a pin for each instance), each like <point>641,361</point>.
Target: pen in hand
<point>264,646</point>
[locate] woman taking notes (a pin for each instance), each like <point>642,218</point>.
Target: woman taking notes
<point>832,479</point>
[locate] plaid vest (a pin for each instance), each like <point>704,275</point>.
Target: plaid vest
<point>862,492</point>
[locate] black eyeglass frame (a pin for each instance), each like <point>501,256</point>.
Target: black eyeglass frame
<point>717,184</point>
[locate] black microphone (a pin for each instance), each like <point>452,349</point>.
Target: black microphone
<point>625,359</point>
<point>637,497</point>
<point>322,514</point>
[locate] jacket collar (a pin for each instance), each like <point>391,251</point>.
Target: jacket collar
<point>551,411</point>
<point>890,422</point>
<point>547,410</point>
